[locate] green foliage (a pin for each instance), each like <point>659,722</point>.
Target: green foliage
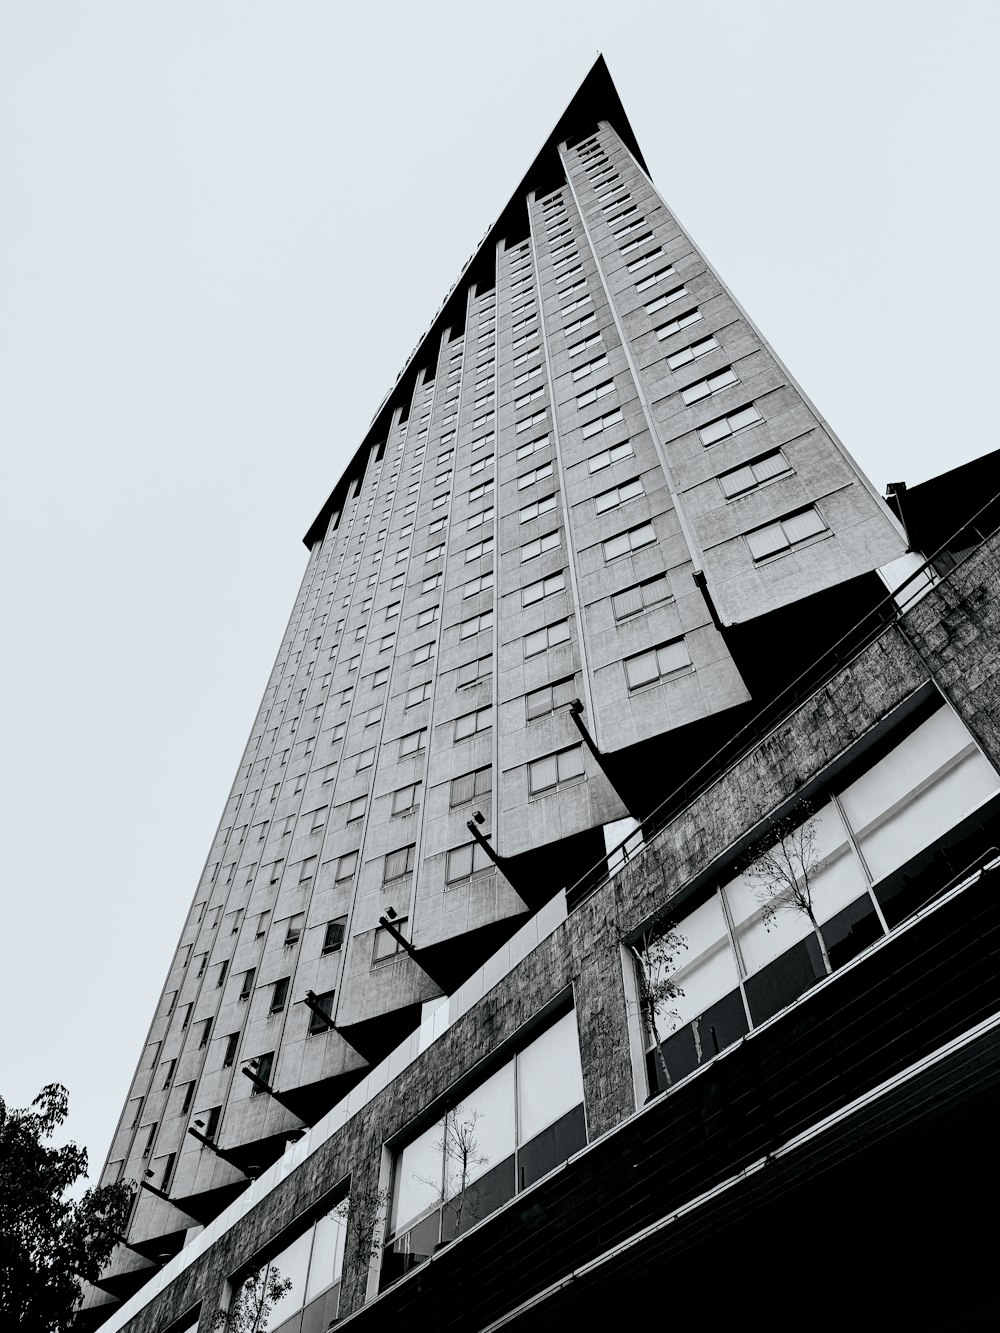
<point>49,1245</point>
<point>251,1307</point>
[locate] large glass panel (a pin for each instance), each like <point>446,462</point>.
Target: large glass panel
<point>549,1079</point>
<point>553,1145</point>
<point>761,934</point>
<point>418,1177</point>
<point>924,787</point>
<point>480,1131</point>
<point>327,1260</point>
<point>705,968</point>
<point>292,1263</point>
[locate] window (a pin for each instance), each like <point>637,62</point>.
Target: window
<point>528,422</point>
<point>640,597</point>
<point>346,867</point>
<point>412,743</point>
<point>633,540</point>
<point>753,474</point>
<point>537,507</point>
<point>657,664</point>
<point>550,697</point>
<point>626,212</point>
<point>476,670</point>
<point>307,869</point>
<point>616,202</point>
<point>534,592</point>
<point>262,1067</point>
<point>212,1122</point>
<point>464,862</point>
<point>316,1023</point>
<point>221,978</point>
<point>247,986</point>
<point>591,341</point>
<point>476,520</point>
<point>356,808</point>
<point>399,863</point>
<point>433,553</point>
<point>549,636</point>
<point>608,456</point>
<point>476,624</point>
<point>469,786</point>
<point>602,423</point>
<point>693,352</point>
<point>592,395</point>
<point>555,770</point>
<point>480,584</point>
<point>529,1118</point>
<point>728,425</point>
<point>423,654</point>
<point>149,1139</point>
<point>668,298</point>
<point>637,241</point>
<point>471,723</point>
<point>404,799</point>
<point>722,379</point>
<point>643,260</point>
<point>206,1033</point>
<point>581,323</point>
<point>536,474</point>
<point>432,582</point>
<point>548,542</point>
<point>418,694</point>
<point>531,447</point>
<point>588,367</point>
<point>365,760</point>
<point>529,397</point>
<point>482,489</point>
<point>188,1098</point>
<point>229,1058</point>
<point>372,716</point>
<point>333,940</point>
<point>578,304</point>
<point>279,995</point>
<point>386,945</point>
<point>785,533</point>
<point>618,495</point>
<point>186,1019</point>
<point>293,929</point>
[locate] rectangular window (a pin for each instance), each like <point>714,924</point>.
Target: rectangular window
<point>386,945</point>
<point>588,367</point>
<point>592,341</point>
<point>746,478</point>
<point>418,694</point>
<point>618,495</point>
<point>555,770</point>
<point>206,1033</point>
<point>464,862</point>
<point>356,808</point>
<point>478,550</point>
<point>471,723</point>
<point>261,1065</point>
<point>536,474</point>
<point>545,505</point>
<point>581,323</point>
<point>346,866</point>
<point>317,1025</point>
<point>247,986</point>
<point>477,585</point>
<point>549,636</point>
<point>539,703</point>
<point>534,592</point>
<point>466,788</point>
<point>473,672</point>
<point>608,456</point>
<point>293,929</point>
<point>692,352</point>
<point>644,260</point>
<point>592,395</point>
<point>531,447</point>
<point>412,743</point>
<point>232,1044</point>
<point>785,533</point>
<point>475,624</point>
<point>279,995</point>
<point>548,542</point>
<point>528,422</point>
<point>640,597</point>
<point>333,939</point>
<point>404,799</point>
<point>723,427</point>
<point>637,241</point>
<point>477,520</point>
<point>657,664</point>
<point>427,617</point>
<point>633,540</point>
<point>399,863</point>
<point>668,298</point>
<point>423,654</point>
<point>616,202</point>
<point>602,423</point>
<point>722,379</point>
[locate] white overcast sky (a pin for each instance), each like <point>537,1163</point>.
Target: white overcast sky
<point>223,226</point>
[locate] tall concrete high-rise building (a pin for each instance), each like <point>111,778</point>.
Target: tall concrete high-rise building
<point>594,532</point>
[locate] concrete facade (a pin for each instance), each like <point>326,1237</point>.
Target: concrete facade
<point>557,501</point>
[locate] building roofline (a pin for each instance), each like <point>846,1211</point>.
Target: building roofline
<point>596,99</point>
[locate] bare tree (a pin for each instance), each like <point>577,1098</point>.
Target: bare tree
<point>783,877</point>
<point>251,1307</point>
<point>656,954</point>
<point>459,1146</point>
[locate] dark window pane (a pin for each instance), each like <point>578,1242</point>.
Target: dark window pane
<point>851,930</point>
<point>700,1041</point>
<point>546,1150</point>
<point>484,1196</point>
<point>785,979</point>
